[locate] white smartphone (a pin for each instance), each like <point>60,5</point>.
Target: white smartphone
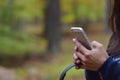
<point>81,36</point>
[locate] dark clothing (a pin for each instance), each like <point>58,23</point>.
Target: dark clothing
<point>110,70</point>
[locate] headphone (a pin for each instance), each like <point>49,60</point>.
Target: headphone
<point>63,74</point>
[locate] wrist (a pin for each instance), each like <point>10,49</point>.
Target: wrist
<point>103,61</point>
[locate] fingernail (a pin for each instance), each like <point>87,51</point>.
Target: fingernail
<point>75,48</point>
<point>74,39</point>
<point>75,57</point>
<point>78,61</point>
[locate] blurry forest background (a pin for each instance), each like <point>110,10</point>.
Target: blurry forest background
<point>35,38</point>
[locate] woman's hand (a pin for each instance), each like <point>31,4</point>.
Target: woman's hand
<point>90,59</point>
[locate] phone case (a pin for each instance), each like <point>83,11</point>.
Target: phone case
<point>81,36</point>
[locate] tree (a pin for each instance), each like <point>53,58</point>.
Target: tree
<point>53,29</point>
<point>78,21</point>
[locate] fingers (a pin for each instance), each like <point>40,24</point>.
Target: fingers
<point>77,61</point>
<point>76,48</point>
<point>75,56</point>
<point>80,46</point>
<point>81,56</point>
<point>80,50</point>
<point>80,60</point>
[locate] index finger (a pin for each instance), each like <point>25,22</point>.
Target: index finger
<point>80,47</point>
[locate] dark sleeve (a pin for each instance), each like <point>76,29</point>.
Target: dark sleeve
<point>92,75</point>
<point>110,70</point>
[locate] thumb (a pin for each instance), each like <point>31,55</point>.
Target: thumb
<point>96,44</point>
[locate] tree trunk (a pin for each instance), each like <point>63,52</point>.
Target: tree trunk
<point>53,29</point>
